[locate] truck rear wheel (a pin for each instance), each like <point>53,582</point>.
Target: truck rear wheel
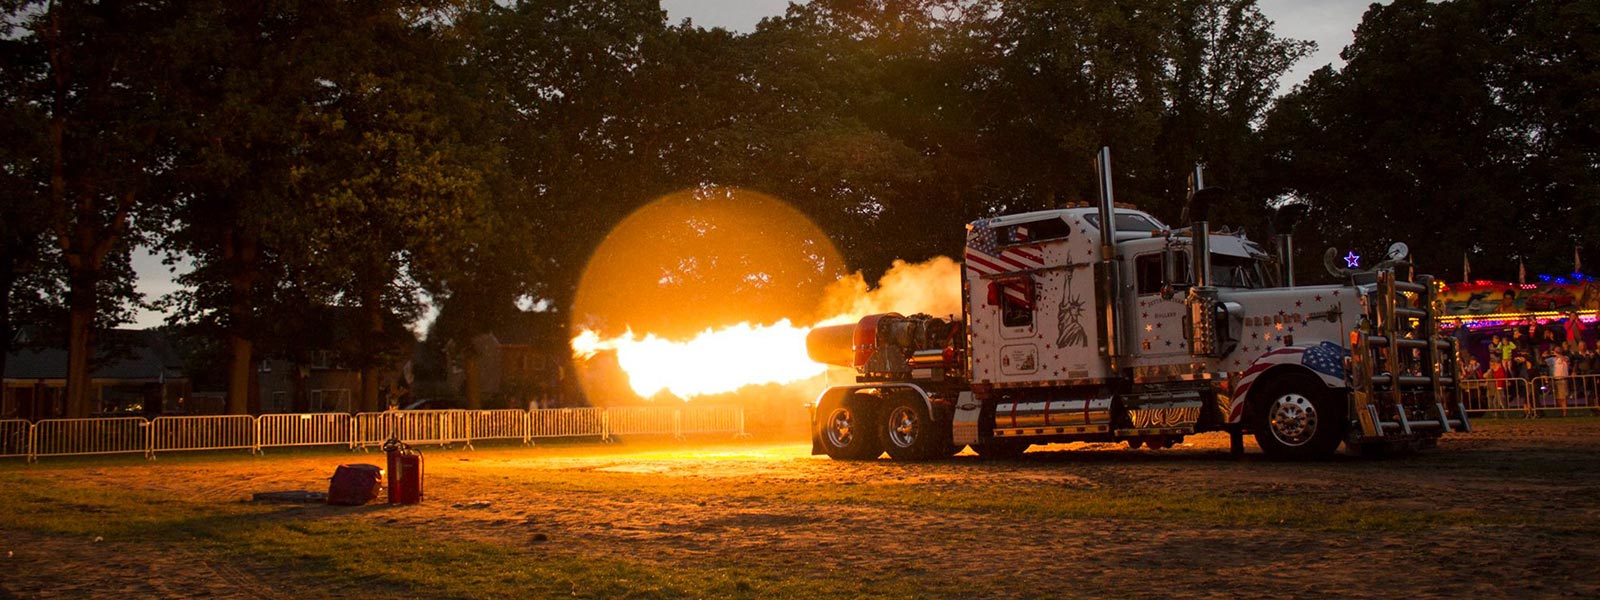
<point>847,428</point>
<point>909,433</point>
<point>1296,417</point>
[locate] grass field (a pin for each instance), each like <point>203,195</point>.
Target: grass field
<point>1507,511</point>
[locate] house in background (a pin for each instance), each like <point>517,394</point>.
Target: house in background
<point>522,363</point>
<point>327,384</point>
<point>316,374</point>
<point>134,373</point>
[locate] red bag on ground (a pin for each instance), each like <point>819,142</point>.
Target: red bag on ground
<point>355,485</point>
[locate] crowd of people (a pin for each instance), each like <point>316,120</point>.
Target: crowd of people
<point>1556,350</point>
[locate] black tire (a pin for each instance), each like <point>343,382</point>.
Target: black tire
<point>848,428</point>
<point>1296,417</point>
<point>1001,449</point>
<point>1134,442</point>
<point>909,433</point>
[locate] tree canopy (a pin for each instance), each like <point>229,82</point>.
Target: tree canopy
<point>379,157</point>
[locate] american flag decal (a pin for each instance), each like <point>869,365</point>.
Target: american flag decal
<point>985,257</point>
<point>1325,359</point>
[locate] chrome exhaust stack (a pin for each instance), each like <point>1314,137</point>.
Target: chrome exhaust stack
<point>1110,274</point>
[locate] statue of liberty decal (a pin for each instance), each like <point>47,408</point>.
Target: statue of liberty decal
<point>1069,317</point>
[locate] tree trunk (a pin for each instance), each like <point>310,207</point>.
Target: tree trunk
<point>301,401</point>
<point>239,375</point>
<point>470,366</point>
<point>240,250</point>
<point>369,389</point>
<point>80,330</point>
<point>372,311</point>
<point>8,279</point>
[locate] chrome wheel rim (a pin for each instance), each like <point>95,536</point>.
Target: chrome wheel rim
<point>840,427</point>
<point>903,427</point>
<point>1294,419</point>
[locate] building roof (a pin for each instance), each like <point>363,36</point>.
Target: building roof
<point>126,354</point>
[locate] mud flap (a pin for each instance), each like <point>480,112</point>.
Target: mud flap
<point>964,428</point>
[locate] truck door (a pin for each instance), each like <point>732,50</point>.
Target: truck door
<point>1157,322</point>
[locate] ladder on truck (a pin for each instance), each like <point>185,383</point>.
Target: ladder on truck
<point>1405,376</point>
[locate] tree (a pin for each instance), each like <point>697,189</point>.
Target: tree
<point>1468,124</point>
<point>242,76</point>
<point>86,69</point>
<point>25,255</point>
<point>393,188</point>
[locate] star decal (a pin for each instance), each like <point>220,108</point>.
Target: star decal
<point>1297,304</point>
<point>1352,260</point>
<point>1279,327</point>
<point>1318,298</point>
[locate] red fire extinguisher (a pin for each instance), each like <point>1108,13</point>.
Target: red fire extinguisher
<point>405,472</point>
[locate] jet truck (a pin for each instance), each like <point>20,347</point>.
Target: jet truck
<point>1102,324</point>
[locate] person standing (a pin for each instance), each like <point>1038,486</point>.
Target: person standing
<point>1497,385</point>
<point>1508,348</point>
<point>1558,376</point>
<point>1520,372</point>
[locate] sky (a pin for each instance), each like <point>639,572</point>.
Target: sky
<point>1329,23</point>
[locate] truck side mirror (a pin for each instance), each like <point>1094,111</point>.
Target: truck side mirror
<point>1171,266</point>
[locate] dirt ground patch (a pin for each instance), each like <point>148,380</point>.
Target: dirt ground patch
<point>1509,511</point>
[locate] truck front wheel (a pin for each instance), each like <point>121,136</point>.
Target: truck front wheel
<point>847,428</point>
<point>1296,417</point>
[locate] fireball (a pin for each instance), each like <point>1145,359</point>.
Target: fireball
<point>714,290</point>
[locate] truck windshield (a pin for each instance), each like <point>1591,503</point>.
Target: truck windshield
<point>1235,272</point>
<point>1126,222</point>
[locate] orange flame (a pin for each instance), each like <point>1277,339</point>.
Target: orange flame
<point>721,360</point>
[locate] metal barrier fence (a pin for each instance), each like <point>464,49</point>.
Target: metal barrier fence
<point>1562,396</point>
<point>509,424</point>
<point>135,435</point>
<point>567,422</point>
<point>417,427</point>
<point>312,429</point>
<point>15,437</point>
<point>1502,397</point>
<point>1539,396</point>
<point>231,432</point>
<point>75,437</point>
<point>643,420</point>
<point>711,419</point>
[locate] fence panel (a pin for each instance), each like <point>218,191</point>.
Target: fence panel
<point>1497,396</point>
<point>566,422</point>
<point>1558,396</point>
<point>643,420</point>
<point>76,437</point>
<point>313,429</point>
<point>416,427</point>
<point>226,432</point>
<point>506,424</point>
<point>712,419</point>
<point>14,438</point>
